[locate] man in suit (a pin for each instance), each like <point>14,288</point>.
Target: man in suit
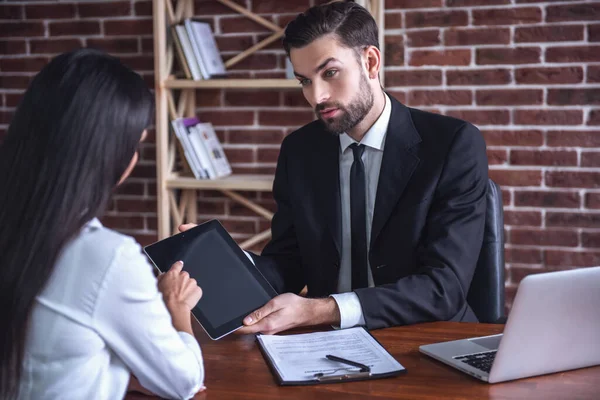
<point>380,207</point>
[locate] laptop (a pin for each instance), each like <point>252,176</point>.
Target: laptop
<point>554,325</point>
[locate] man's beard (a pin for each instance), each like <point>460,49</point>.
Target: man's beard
<point>350,115</point>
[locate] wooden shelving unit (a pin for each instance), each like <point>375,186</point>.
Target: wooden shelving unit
<point>177,190</point>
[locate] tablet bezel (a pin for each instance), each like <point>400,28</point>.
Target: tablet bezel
<point>234,324</point>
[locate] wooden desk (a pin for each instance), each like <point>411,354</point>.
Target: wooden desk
<point>235,369</point>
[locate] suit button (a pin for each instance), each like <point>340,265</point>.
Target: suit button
<point>380,266</point>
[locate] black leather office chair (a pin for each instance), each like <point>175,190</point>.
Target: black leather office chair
<point>486,294</point>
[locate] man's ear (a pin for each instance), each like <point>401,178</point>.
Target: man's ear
<point>372,58</point>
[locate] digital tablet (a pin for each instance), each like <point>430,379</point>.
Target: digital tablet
<point>232,286</point>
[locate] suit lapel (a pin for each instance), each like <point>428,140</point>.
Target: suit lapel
<point>326,170</point>
<point>397,166</point>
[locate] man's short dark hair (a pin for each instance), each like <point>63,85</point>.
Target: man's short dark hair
<point>350,22</point>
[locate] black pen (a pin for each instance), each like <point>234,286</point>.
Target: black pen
<point>363,367</point>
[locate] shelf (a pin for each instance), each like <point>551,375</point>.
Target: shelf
<point>226,83</point>
<point>263,183</point>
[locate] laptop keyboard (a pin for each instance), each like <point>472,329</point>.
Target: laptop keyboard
<point>482,361</point>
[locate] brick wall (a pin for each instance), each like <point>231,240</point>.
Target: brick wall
<point>526,72</point>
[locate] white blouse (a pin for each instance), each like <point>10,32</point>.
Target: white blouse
<point>100,318</point>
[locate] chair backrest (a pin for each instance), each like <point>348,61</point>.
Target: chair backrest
<point>486,294</point>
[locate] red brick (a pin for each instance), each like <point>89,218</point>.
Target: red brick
<point>573,12</point>
<point>482,117</point>
<point>523,256</point>
<point>262,136</point>
<point>266,98</point>
<point>582,220</point>
<point>543,157</point>
<point>544,237</point>
<point>478,77</point>
<point>507,16</point>
<point>74,28</point>
<point>13,47</point>
<point>285,118</point>
<point>590,239</point>
<point>517,273</point>
<point>512,177</point>
<point>130,187</point>
<point>573,138</point>
<point>420,77</point>
<point>574,96</point>
<point>256,61</point>
<point>54,46</point>
<point>522,218</point>
<point>29,64</point>
<point>280,7</point>
<point>547,199</point>
<point>550,75</point>
<point>573,54</point>
<point>548,117</point>
<point>267,155</point>
<point>144,171</point>
<point>14,81</point>
<point>594,33</point>
<point>513,138</point>
<point>122,222</point>
<point>393,20</point>
<point>21,29</point>
<point>394,50</point>
<point>147,45</point>
<point>496,157</point>
<point>510,97</point>
<point>590,159</point>
<point>138,62</point>
<point>238,226</point>
<point>5,117</point>
<point>235,43</point>
<point>102,9</point>
<point>238,210</point>
<point>402,4</point>
<point>114,45</point>
<point>468,37</point>
<point>398,95</point>
<point>211,7</point>
<point>594,118</point>
<point>422,19</point>
<point>241,25</point>
<point>211,208</point>
<point>136,205</point>
<point>143,8</point>
<point>519,55</point>
<point>558,33</point>
<point>50,11</point>
<point>468,3</point>
<point>228,118</point>
<point>423,38</point>
<point>574,179</point>
<point>128,27</point>
<point>11,11</point>
<point>252,170</point>
<point>592,200</point>
<point>145,239</point>
<point>208,98</point>
<point>432,97</point>
<point>12,99</point>
<point>294,98</point>
<point>440,57</point>
<point>571,258</point>
<point>240,155</point>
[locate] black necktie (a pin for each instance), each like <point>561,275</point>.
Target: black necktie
<point>358,219</point>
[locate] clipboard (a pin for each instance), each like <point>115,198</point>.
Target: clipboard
<point>383,366</point>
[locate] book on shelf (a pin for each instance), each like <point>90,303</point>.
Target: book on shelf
<point>197,49</point>
<point>202,148</point>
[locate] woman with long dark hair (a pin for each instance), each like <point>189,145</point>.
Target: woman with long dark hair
<point>80,309</point>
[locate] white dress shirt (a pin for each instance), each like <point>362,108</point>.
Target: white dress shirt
<point>100,318</point>
<point>374,140</point>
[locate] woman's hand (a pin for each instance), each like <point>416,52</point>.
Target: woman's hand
<point>181,294</point>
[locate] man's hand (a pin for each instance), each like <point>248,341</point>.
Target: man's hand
<point>288,311</point>
<point>185,227</point>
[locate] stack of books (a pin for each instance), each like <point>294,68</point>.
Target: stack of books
<point>197,50</point>
<point>201,148</point>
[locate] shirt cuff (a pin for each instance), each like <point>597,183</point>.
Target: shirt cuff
<point>350,310</point>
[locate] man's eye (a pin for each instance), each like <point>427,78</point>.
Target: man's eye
<point>304,82</point>
<point>330,73</point>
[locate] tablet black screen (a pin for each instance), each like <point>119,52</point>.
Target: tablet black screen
<point>232,287</point>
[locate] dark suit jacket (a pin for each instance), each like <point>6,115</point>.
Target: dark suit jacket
<point>427,227</point>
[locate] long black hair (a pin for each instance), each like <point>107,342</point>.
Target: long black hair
<point>71,139</point>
